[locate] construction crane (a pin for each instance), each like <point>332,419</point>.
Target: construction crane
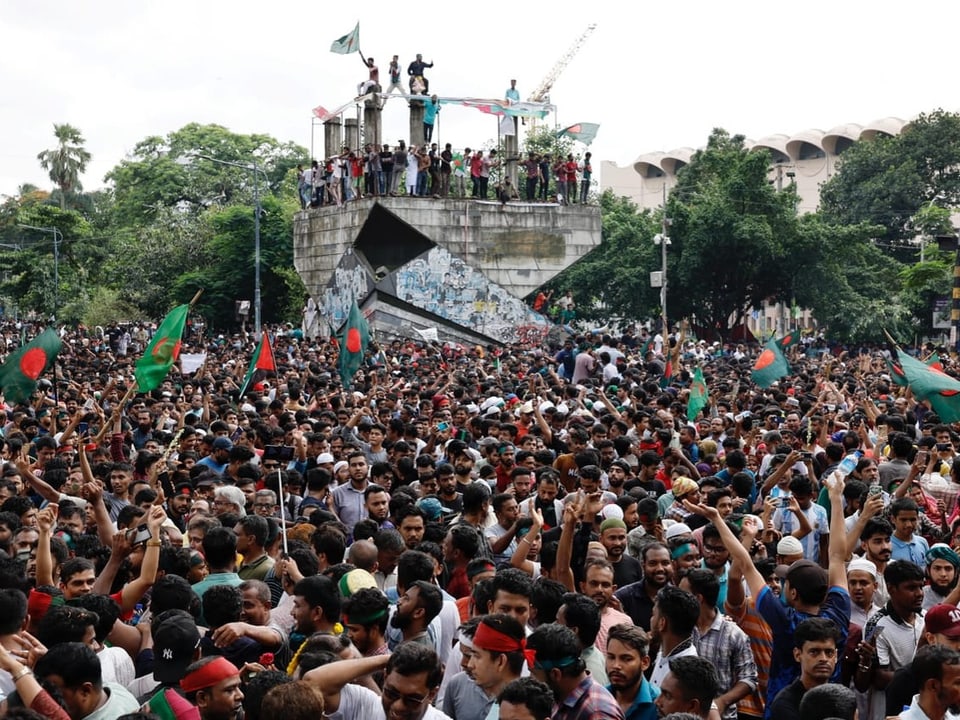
<point>541,94</point>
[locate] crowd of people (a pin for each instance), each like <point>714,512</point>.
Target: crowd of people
<point>427,171</point>
<point>523,533</point>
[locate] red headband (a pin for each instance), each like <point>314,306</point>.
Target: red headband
<point>488,638</point>
<point>209,675</point>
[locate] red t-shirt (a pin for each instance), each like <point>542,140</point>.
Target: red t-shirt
<point>571,169</point>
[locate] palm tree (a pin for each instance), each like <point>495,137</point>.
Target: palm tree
<point>66,161</point>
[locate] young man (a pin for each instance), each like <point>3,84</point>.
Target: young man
<point>526,699</point>
<point>598,585</point>
<point>674,618</point>
<point>815,650</point>
<point>941,627</point>
<point>862,580</point>
<point>628,657</point>
<point>498,658</point>
<point>558,664</point>
<point>73,669</point>
<point>213,685</point>
<point>689,687</point>
<point>722,643</point>
<point>808,590</point>
<point>412,679</point>
<point>365,615</point>
<point>253,532</point>
<point>942,566</point>
<point>637,599</point>
<point>816,544</point>
<point>626,569</point>
<point>416,609</point>
<point>937,669</point>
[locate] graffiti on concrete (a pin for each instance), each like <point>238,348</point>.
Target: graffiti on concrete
<point>350,282</point>
<point>445,285</point>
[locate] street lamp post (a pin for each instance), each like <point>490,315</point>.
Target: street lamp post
<point>57,239</point>
<point>256,170</point>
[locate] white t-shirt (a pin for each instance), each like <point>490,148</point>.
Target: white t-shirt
<point>359,702</point>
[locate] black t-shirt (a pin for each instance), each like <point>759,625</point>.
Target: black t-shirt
<point>386,160</point>
<point>903,686</point>
<point>627,571</point>
<point>786,706</point>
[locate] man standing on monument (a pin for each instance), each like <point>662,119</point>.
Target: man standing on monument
<point>419,85</point>
<point>395,76</point>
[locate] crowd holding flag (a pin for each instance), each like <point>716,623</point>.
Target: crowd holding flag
<point>930,384</point>
<point>262,361</point>
<point>353,344</point>
<point>163,350</point>
<point>771,365</point>
<point>18,376</point>
<point>699,397</point>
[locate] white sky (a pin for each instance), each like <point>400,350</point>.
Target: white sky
<point>656,76</point>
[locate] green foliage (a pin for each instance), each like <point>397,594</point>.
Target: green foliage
<point>544,140</point>
<point>66,161</point>
<point>886,181</point>
<point>610,279</point>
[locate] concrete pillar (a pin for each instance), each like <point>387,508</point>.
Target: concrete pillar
<point>372,121</point>
<point>416,122</point>
<point>332,140</point>
<point>351,133</point>
<point>511,154</point>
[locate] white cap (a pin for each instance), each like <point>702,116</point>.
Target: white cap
<point>324,458</point>
<point>675,530</point>
<point>789,546</point>
<point>864,565</point>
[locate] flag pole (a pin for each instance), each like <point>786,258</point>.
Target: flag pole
<point>283,514</point>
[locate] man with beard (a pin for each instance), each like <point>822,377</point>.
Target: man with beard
<point>637,599</point>
<point>416,609</point>
<point>366,614</point>
<point>121,477</point>
<point>143,432</point>
<point>716,558</point>
<point>178,505</point>
<point>213,685</point>
<point>815,649</point>
<point>505,464</point>
<point>942,564</point>
<point>613,536</point>
<point>617,475</point>
<point>628,657</point>
<point>598,585</point>
<point>502,535</point>
<point>462,466</point>
<point>316,608</point>
<point>674,617</point>
<point>941,628</point>
<point>521,484</point>
<point>877,548</point>
<point>938,674</point>
<point>412,679</point>
<point>447,491</point>
<point>558,664</point>
<point>376,502</point>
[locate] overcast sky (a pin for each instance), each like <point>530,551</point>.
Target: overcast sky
<point>656,76</point>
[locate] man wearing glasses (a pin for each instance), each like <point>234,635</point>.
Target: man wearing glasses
<point>412,678</point>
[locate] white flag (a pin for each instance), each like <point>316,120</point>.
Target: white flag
<point>191,362</point>
<point>349,43</point>
<point>428,333</point>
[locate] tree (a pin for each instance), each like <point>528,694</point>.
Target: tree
<point>888,180</point>
<point>175,172</point>
<point>67,161</point>
<point>730,232</point>
<point>611,279</point>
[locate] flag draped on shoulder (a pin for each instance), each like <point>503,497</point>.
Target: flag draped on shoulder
<point>698,395</point>
<point>939,389</point>
<point>349,43</point>
<point>262,360</point>
<point>353,345</point>
<point>18,376</point>
<point>770,366</point>
<point>163,350</point>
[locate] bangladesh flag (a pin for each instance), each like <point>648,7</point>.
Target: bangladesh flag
<point>262,360</point>
<point>897,375</point>
<point>162,351</point>
<point>788,340</point>
<point>18,376</point>
<point>941,390</point>
<point>770,366</point>
<point>698,395</point>
<point>353,345</point>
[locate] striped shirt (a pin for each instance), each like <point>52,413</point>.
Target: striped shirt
<point>727,648</point>
<point>761,643</point>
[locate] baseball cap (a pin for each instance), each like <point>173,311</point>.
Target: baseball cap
<point>222,443</point>
<point>175,639</point>
<point>432,508</point>
<point>943,619</point>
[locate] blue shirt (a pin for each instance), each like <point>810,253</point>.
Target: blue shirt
<point>430,113</point>
<point>643,707</point>
<point>915,549</point>
<point>783,622</point>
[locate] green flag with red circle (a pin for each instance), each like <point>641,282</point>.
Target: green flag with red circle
<point>163,350</point>
<point>698,395</point>
<point>19,374</point>
<point>353,345</point>
<point>770,366</point>
<point>941,390</point>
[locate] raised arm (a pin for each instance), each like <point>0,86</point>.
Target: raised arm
<point>838,550</point>
<point>331,678</point>
<point>738,552</point>
<point>519,557</point>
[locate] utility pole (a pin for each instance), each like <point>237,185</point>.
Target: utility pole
<point>663,240</point>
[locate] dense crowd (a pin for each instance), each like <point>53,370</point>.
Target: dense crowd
<point>427,171</point>
<point>468,532</point>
